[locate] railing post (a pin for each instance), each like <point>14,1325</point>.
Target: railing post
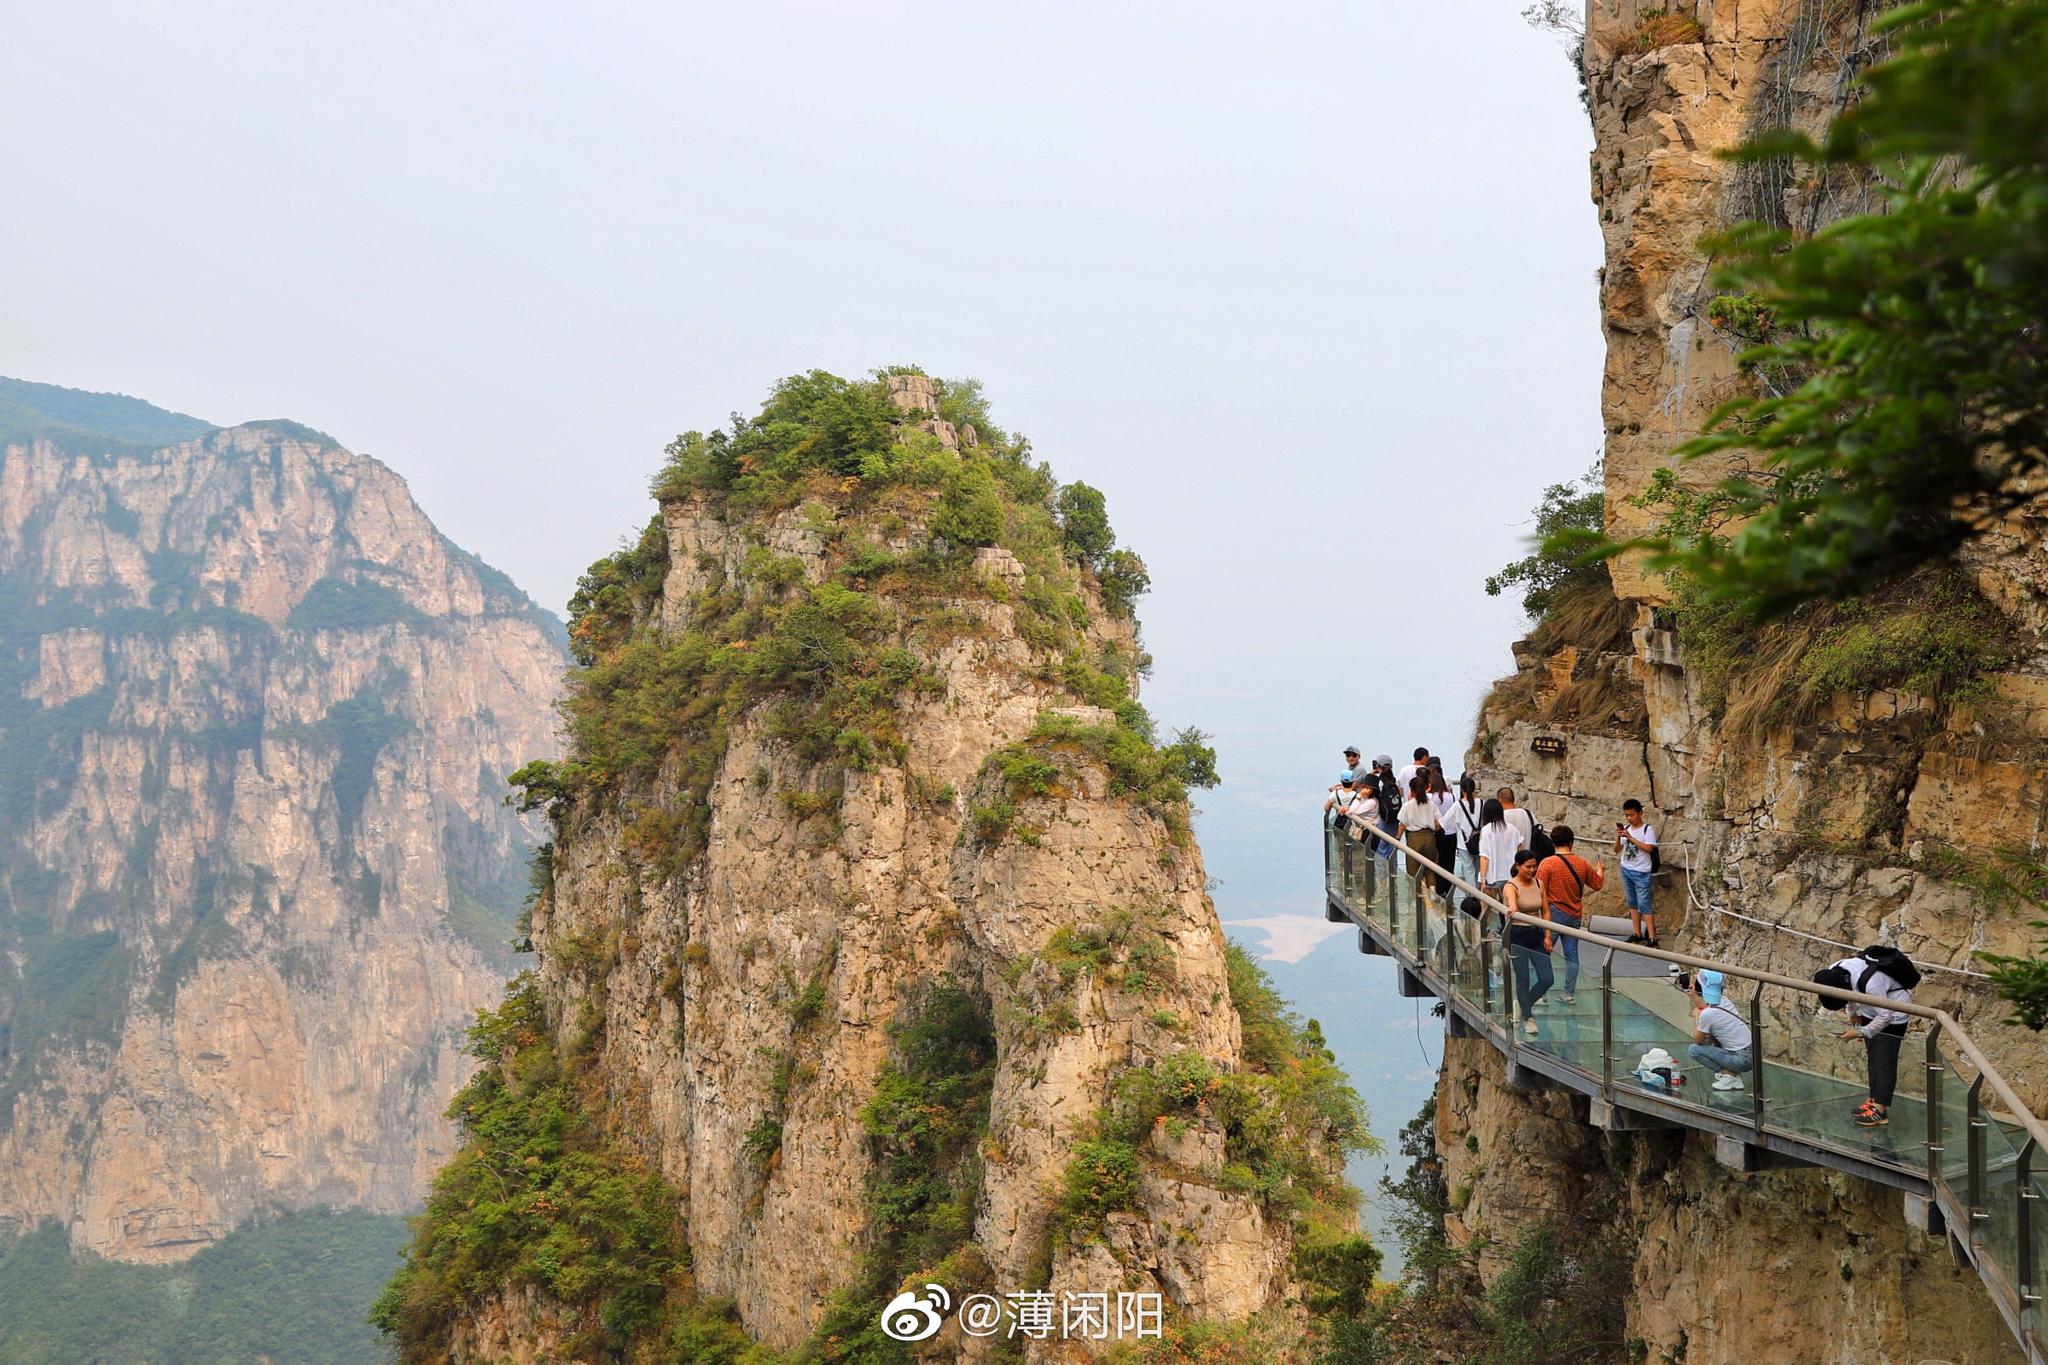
<point>1607,1025</point>
<point>1934,1070</point>
<point>2029,1273</point>
<point>1421,932</point>
<point>1756,1055</point>
<point>1485,967</point>
<point>1973,1111</point>
<point>1451,928</point>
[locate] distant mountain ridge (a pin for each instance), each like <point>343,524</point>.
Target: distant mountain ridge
<point>92,423</point>
<point>256,872</point>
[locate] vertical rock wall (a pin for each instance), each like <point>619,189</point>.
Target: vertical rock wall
<point>255,873</point>
<point>1849,825</point>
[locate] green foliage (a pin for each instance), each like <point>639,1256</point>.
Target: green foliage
<point>831,661</point>
<point>1418,1201</point>
<point>1291,1106</point>
<point>1124,580</point>
<point>1158,776</point>
<point>1933,635</point>
<point>537,1197</point>
<point>1338,1269</point>
<point>928,1114</point>
<point>1560,1299</point>
<point>359,728</point>
<point>1084,523</point>
<point>1747,315</point>
<point>1288,1114</point>
<point>616,593</point>
<point>2010,880</point>
<point>991,822</point>
<point>222,1305</point>
<point>1120,949</point>
<point>763,1141</point>
<point>1568,513</point>
<point>970,511</point>
<point>2023,982</point>
<point>1101,1179</point>
<point>1656,28</point>
<point>1907,410</point>
<point>349,604</point>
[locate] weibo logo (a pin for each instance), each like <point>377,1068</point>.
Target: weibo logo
<point>914,1317</point>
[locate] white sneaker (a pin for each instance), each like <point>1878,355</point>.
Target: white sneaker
<point>1529,1027</point>
<point>1727,1080</point>
<point>1570,999</point>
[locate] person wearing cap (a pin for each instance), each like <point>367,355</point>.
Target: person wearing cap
<point>1720,1036</point>
<point>1351,759</point>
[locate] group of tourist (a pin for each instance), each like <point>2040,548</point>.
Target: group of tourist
<point>1379,810</point>
<point>1485,842</point>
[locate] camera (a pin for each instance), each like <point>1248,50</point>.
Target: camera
<point>1681,979</point>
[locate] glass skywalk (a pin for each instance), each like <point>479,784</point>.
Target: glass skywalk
<point>1956,1137</point>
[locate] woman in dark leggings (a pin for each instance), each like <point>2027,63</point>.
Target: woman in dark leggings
<point>1528,944</point>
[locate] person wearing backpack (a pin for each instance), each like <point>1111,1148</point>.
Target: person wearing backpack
<point>1460,817</point>
<point>1498,843</point>
<point>1566,878</point>
<point>1390,806</point>
<point>1636,842</point>
<point>1888,973</point>
<point>1721,1037</point>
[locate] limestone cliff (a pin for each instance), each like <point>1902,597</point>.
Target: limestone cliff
<point>255,869</point>
<point>1811,804</point>
<point>901,769</point>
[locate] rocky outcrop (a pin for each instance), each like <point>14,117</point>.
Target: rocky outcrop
<point>255,871</point>
<point>866,888</point>
<point>1789,824</point>
<point>877,946</point>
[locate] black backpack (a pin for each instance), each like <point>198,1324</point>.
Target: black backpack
<point>1877,958</point>
<point>1539,837</point>
<point>1390,796</point>
<point>1893,963</point>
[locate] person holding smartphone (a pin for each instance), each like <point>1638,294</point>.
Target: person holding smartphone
<point>1636,842</point>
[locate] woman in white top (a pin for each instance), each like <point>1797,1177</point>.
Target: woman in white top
<point>1418,830</point>
<point>1499,842</point>
<point>1446,855</point>
<point>1459,818</point>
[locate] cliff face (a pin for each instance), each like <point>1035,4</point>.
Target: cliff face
<point>1844,811</point>
<point>996,831</point>
<point>255,872</point>
<point>899,894</point>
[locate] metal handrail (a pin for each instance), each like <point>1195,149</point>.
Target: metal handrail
<point>1946,1024</point>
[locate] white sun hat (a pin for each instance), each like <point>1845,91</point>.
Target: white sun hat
<point>1655,1058</point>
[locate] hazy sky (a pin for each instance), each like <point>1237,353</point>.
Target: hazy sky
<point>1306,289</point>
